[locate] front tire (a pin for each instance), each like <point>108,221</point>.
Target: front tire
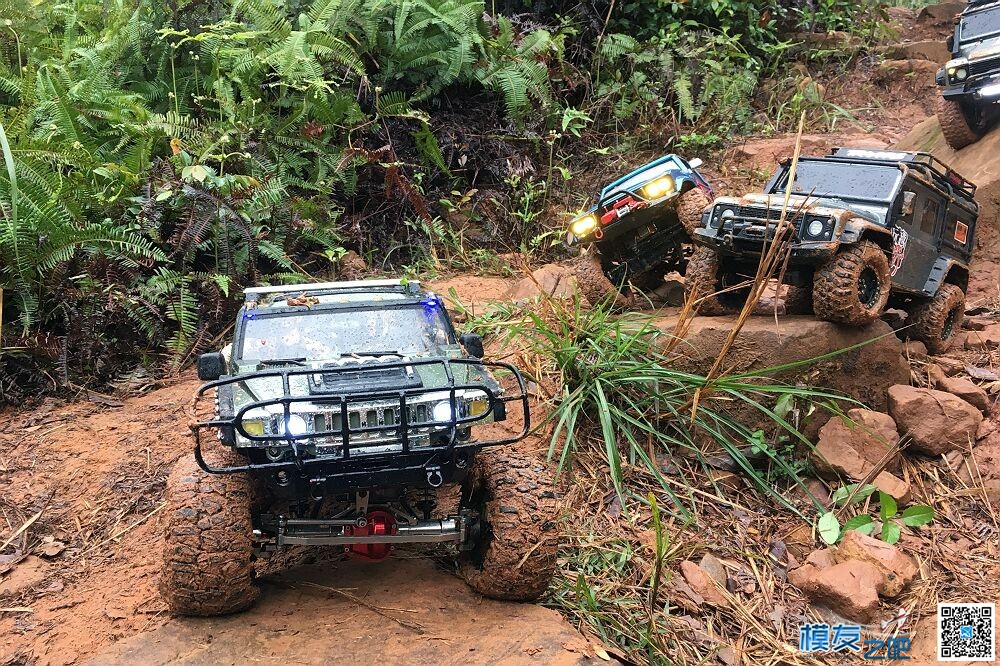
<point>936,321</point>
<point>514,556</point>
<point>852,287</point>
<point>594,284</point>
<point>958,131</point>
<point>208,552</point>
<point>690,206</point>
<point>706,283</point>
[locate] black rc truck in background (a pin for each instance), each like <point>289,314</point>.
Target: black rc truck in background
<point>866,229</point>
<point>970,81</point>
<point>640,228</point>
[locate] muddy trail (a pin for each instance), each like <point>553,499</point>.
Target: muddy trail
<point>82,482</point>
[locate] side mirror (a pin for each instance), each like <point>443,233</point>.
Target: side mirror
<point>211,366</point>
<point>695,163</point>
<point>908,199</point>
<point>473,343</point>
<point>950,43</point>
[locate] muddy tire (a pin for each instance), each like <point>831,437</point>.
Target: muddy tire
<point>594,284</point>
<point>514,557</point>
<point>703,280</point>
<point>690,206</point>
<point>798,300</point>
<point>955,125</point>
<point>936,321</point>
<point>208,552</point>
<point>852,287</point>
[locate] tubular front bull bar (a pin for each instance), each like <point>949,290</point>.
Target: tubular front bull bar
<point>496,407</point>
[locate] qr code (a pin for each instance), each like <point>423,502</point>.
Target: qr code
<point>966,632</point>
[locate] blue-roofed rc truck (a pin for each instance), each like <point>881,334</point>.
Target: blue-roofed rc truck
<point>640,227</point>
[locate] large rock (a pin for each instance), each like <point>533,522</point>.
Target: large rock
<point>551,280</point>
<point>849,588</point>
<point>857,447</point>
<point>937,422</point>
<point>897,569</point>
<point>966,390</point>
<point>932,50</point>
<point>864,373</point>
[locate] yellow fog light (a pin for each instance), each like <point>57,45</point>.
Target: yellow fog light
<point>253,427</point>
<point>478,407</point>
<point>659,187</point>
<point>582,226</point>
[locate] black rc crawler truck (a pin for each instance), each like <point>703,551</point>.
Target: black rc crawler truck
<point>970,81</point>
<point>341,415</point>
<point>638,230</point>
<point>866,228</point>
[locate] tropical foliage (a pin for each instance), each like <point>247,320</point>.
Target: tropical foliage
<point>157,157</point>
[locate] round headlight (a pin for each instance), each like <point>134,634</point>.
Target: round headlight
<point>815,228</point>
<point>582,226</point>
<point>294,426</point>
<point>442,412</point>
<point>961,74</point>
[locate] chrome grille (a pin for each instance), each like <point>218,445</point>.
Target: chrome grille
<point>983,66</point>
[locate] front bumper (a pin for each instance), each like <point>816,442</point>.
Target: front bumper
<point>747,234</point>
<point>355,463</point>
<point>981,84</point>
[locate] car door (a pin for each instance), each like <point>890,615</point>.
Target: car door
<point>915,236</point>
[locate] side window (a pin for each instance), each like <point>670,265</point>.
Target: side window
<point>929,217</point>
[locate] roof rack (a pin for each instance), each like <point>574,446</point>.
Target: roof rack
<point>920,159</point>
<point>976,5</point>
<point>401,286</point>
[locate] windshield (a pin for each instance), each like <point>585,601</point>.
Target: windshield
<point>322,335</point>
<point>980,24</point>
<point>849,180</point>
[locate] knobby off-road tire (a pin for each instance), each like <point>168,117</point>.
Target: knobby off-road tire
<point>208,552</point>
<point>703,280</point>
<point>515,556</point>
<point>936,321</point>
<point>690,206</point>
<point>595,285</point>
<point>955,126</point>
<point>852,287</point>
<point>798,300</point>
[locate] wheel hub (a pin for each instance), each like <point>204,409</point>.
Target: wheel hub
<point>869,288</point>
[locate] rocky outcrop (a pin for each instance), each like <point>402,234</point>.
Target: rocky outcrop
<point>864,373</point>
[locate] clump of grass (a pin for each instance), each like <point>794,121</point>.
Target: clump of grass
<point>614,386</point>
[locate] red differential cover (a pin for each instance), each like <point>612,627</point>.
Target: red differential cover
<point>380,523</point>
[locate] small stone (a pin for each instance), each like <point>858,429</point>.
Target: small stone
<point>550,280</point>
<point>914,349</point>
<point>950,366</point>
<point>967,391</point>
<point>936,422</point>
<point>892,485</point>
<point>822,558</point>
<point>703,584</point>
<point>935,374</point>
<point>715,568</point>
<point>897,569</point>
<point>988,338</point>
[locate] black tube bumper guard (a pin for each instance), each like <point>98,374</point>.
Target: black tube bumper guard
<point>411,462</point>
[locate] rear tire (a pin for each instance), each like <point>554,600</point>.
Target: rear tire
<point>514,557</point>
<point>594,284</point>
<point>936,321</point>
<point>955,125</point>
<point>852,287</point>
<point>208,552</point>
<point>703,281</point>
<point>798,300</point>
<point>690,206</point>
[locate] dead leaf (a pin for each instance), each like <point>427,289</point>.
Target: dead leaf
<point>602,653</point>
<point>981,374</point>
<point>50,548</point>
